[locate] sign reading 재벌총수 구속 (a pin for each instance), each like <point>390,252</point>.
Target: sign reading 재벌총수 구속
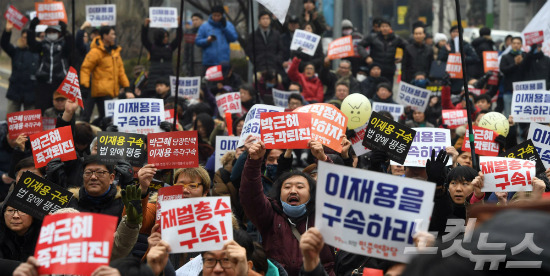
<point>396,110</point>
<point>170,150</point>
<point>374,214</point>
<point>229,103</point>
<point>252,121</point>
<point>426,140</point>
<point>50,12</point>
<point>506,174</point>
<point>224,144</point>
<point>50,144</point>
<point>454,118</point>
<point>196,224</point>
<point>285,130</point>
<point>484,141</point>
<point>37,196</point>
<point>24,122</point>
<point>534,85</point>
<point>328,124</point>
<point>75,243</point>
<point>101,14</point>
<point>540,135</point>
<point>162,17</point>
<point>115,146</point>
<point>188,87</point>
<point>141,116</point>
<point>415,97</point>
<point>525,151</point>
<point>341,48</point>
<point>70,87</point>
<point>307,41</point>
<point>454,66</point>
<point>531,106</point>
<point>387,135</point>
<point>15,17</point>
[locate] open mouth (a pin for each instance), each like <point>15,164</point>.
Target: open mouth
<point>355,119</point>
<point>293,200</point>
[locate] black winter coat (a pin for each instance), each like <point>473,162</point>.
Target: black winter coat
<point>416,58</point>
<point>13,247</point>
<point>481,44</point>
<point>269,52</point>
<point>368,86</point>
<point>382,50</point>
<point>110,204</point>
<point>24,64</point>
<point>512,71</point>
<point>537,67</point>
<point>54,57</point>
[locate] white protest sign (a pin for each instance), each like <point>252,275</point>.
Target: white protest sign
<point>426,140</point>
<point>357,141</point>
<point>163,17</point>
<point>361,213</point>
<point>395,109</point>
<point>39,28</point>
<point>140,116</point>
<point>415,97</point>
<point>279,8</point>
<point>189,87</point>
<point>305,40</point>
<point>229,102</point>
<point>252,121</point>
<point>535,85</point>
<point>506,174</point>
<point>98,14</point>
<point>280,98</point>
<point>223,145</point>
<point>540,135</point>
<point>531,106</point>
<point>196,224</point>
<point>109,108</point>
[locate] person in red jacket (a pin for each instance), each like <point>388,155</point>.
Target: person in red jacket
<point>312,87</point>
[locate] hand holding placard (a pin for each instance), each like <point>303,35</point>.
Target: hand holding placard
<point>311,245</point>
<point>257,150</point>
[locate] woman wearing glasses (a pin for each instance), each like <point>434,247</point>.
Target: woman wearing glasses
<point>18,234</point>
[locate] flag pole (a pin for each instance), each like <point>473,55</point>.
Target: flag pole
<point>255,77</point>
<point>180,30</point>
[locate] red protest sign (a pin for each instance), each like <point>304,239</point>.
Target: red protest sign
<point>285,130</point>
<point>170,150</point>
<point>328,124</point>
<point>229,103</point>
<point>169,115</point>
<point>454,66</point>
<point>484,141</point>
<point>50,12</point>
<point>70,87</point>
<point>341,48</point>
<point>490,61</point>
<point>75,243</point>
<point>214,73</point>
<point>27,122</point>
<point>454,118</point>
<point>15,17</point>
<point>534,38</point>
<point>50,144</point>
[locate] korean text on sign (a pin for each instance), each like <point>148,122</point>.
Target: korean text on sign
<point>37,196</point>
<point>177,149</point>
<point>109,107</point>
<point>70,87</point>
<point>188,87</point>
<point>280,98</point>
<point>224,144</point>
<point>534,38</point>
<point>50,144</point>
<point>341,48</point>
<point>99,14</point>
<point>357,141</point>
<point>285,130</point>
<point>214,73</point>
<point>305,40</point>
<point>389,136</point>
<point>252,121</point>
<point>525,151</point>
<point>490,61</point>
<point>374,215</point>
<point>454,118</point>
<point>196,224</point>
<point>531,106</point>
<point>536,85</point>
<point>415,97</point>
<point>75,243</point>
<point>484,140</point>
<point>540,135</point>
<point>50,12</point>
<point>229,103</point>
<point>426,140</point>
<point>15,17</point>
<point>328,124</point>
<point>395,109</point>
<point>506,174</point>
<point>27,122</point>
<point>115,146</point>
<point>454,66</point>
<point>166,194</point>
<point>163,17</point>
<point>141,116</point>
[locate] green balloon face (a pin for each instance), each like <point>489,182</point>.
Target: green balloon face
<point>358,109</point>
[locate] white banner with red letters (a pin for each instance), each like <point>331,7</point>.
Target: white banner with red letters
<point>229,103</point>
<point>507,174</point>
<point>357,141</point>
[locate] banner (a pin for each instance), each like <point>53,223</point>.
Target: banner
<point>279,8</point>
<point>50,12</point>
<point>490,61</point>
<point>415,97</point>
<point>224,144</point>
<point>285,130</point>
<point>163,17</point>
<point>252,121</point>
<point>525,151</point>
<point>280,98</point>
<point>374,214</point>
<point>395,109</point>
<point>341,48</point>
<point>15,17</point>
<point>531,106</point>
<point>506,174</point>
<point>171,150</point>
<point>115,146</point>
<point>214,73</point>
<point>70,87</point>
<point>454,118</point>
<point>305,40</point>
<point>189,87</point>
<point>484,140</point>
<point>141,116</point>
<point>169,115</point>
<point>196,224</point>
<point>50,144</point>
<point>165,194</point>
<point>75,243</point>
<point>328,124</point>
<point>98,14</point>
<point>357,141</point>
<point>536,85</point>
<point>27,122</point>
<point>540,135</point>
<point>48,123</point>
<point>389,136</point>
<point>109,108</point>
<point>426,140</point>
<point>229,103</point>
<point>37,196</point>
<point>454,66</point>
<point>534,38</point>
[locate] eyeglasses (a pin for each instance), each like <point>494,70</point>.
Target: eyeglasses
<point>190,186</point>
<point>99,174</point>
<point>211,262</point>
<point>11,212</point>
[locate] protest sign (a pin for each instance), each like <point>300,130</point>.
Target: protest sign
<point>99,14</point>
<point>50,12</point>
<point>169,115</point>
<point>75,243</point>
<point>109,108</point>
<point>252,121</point>
<point>285,130</point>
<point>328,124</point>
<point>484,140</point>
<point>141,116</point>
<point>189,87</point>
<point>341,48</point>
<point>15,17</point>
<point>115,146</point>
<point>536,85</point>
<point>307,41</point>
<point>525,151</point>
<point>506,174</point>
<point>70,87</point>
<point>214,73</point>
<point>163,17</point>
<point>229,103</point>
<point>170,150</point>
<point>48,123</point>
<point>426,140</point>
<point>165,194</point>
<point>396,110</point>
<point>280,98</point>
<point>223,145</point>
<point>37,196</point>
<point>196,224</point>
<point>381,130</point>
<point>477,91</point>
<point>540,135</point>
<point>536,37</point>
<point>279,8</point>
<point>372,214</point>
<point>493,79</point>
<point>531,106</point>
<point>50,144</point>
<point>454,66</point>
<point>27,122</point>
<point>415,97</point>
<point>357,141</point>
<point>454,118</point>
<point>490,61</point>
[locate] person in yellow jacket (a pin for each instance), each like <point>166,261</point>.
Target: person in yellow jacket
<point>104,64</point>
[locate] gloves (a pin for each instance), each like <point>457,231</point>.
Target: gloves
<point>124,174</point>
<point>34,22</point>
<point>112,128</point>
<point>131,197</point>
<point>223,22</point>
<point>166,126</point>
<point>435,167</point>
<point>63,27</point>
<point>55,172</point>
<point>377,159</point>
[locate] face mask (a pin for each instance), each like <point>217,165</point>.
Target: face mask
<point>294,211</point>
<point>270,85</point>
<point>271,171</point>
<point>420,83</point>
<point>52,36</point>
<point>361,77</point>
<point>347,31</point>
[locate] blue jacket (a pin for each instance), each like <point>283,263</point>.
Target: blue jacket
<point>216,51</point>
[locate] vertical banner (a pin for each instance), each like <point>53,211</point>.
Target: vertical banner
<point>454,66</point>
<point>15,17</point>
<point>305,40</point>
<point>285,130</point>
<point>395,109</point>
<point>415,97</point>
<point>171,150</point>
<point>115,146</point>
<point>280,98</point>
<point>540,135</point>
<point>27,122</point>
<point>189,87</point>
<point>328,124</point>
<point>490,61</point>
<point>484,141</point>
<point>99,14</point>
<point>229,103</point>
<point>252,121</point>
<point>454,118</point>
<point>426,140</point>
<point>141,116</point>
<point>70,87</point>
<point>531,106</point>
<point>341,48</point>
<point>224,144</point>
<point>50,12</point>
<point>163,17</point>
<point>506,174</point>
<point>50,144</point>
